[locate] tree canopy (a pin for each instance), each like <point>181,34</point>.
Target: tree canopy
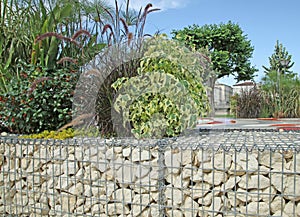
<point>280,61</point>
<point>229,47</point>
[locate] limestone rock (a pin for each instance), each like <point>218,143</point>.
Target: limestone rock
<point>206,167</point>
<point>290,209</point>
<point>186,157</point>
<point>206,200</point>
<point>116,163</point>
<point>177,181</point>
<point>295,163</point>
<point>126,152</point>
<point>257,208</point>
<point>34,166</point>
<point>190,207</point>
<point>174,213</point>
<point>241,195</point>
<point>215,178</point>
<point>60,154</point>
<point>142,171</point>
<point>279,181</point>
<point>199,190</point>
<point>292,189</point>
<point>236,170</point>
<point>126,173</point>
<point>97,209</point>
<point>110,187</point>
<point>231,182</point>
<point>198,176</point>
<point>77,189</point>
<point>216,204</point>
<point>248,162</point>
<point>146,184</point>
<point>151,211</point>
<point>266,194</point>
<point>40,209</point>
<point>272,160</point>
<point>254,182</point>
<point>189,172</point>
<point>110,154</point>
<point>172,161</point>
<point>222,161</point>
<point>123,195</point>
<point>175,195</point>
<point>140,202</point>
<point>54,169</point>
<point>277,204</point>
<point>204,155</point>
<point>64,183</point>
<point>113,209</point>
<point>298,210</point>
<point>21,199</point>
<point>68,202</point>
<point>70,166</point>
<point>139,154</point>
<point>100,164</point>
<point>263,170</point>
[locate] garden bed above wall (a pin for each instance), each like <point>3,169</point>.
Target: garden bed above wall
<point>211,173</point>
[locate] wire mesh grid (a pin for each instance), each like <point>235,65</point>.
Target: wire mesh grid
<point>207,173</point>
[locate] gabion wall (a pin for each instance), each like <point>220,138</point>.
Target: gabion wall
<point>212,174</point>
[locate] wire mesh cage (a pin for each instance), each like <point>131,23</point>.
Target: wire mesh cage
<point>207,173</point>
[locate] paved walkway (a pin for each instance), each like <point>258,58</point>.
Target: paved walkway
<point>232,123</point>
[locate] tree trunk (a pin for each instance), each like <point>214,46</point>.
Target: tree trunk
<point>212,81</point>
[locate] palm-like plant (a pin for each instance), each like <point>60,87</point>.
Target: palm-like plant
<point>21,22</point>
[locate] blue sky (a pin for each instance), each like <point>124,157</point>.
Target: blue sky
<point>263,21</point>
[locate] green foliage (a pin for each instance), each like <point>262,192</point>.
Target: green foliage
<point>43,32</point>
<point>282,94</point>
<point>46,52</point>
<point>280,61</point>
<point>124,32</point>
<point>230,49</point>
<point>36,103</point>
<point>62,135</point>
<point>233,104</point>
<point>155,104</point>
<point>167,96</point>
<point>280,85</point>
<point>46,134</point>
<point>172,57</point>
<point>249,103</point>
<point>14,39</point>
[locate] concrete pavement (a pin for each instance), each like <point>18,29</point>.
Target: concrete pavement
<point>257,123</point>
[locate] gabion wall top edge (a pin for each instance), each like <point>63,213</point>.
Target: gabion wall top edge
<point>216,139</point>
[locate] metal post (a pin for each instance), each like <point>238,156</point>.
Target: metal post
<point>161,178</point>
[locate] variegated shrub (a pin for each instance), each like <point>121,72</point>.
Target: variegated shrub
<point>167,96</point>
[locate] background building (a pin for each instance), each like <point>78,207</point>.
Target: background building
<point>245,86</point>
<point>222,96</point>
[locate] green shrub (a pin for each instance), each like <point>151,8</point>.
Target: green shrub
<point>233,104</point>
<point>62,135</point>
<point>281,94</point>
<point>167,96</point>
<point>34,104</point>
<point>173,57</point>
<point>155,105</point>
<point>46,134</point>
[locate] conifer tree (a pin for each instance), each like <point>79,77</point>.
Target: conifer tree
<point>280,61</point>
